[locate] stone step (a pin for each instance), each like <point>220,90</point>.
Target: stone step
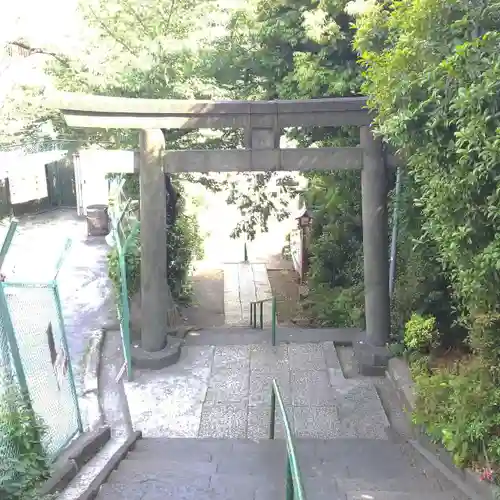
<point>342,450</point>
<point>172,447</point>
<point>243,335</point>
<point>417,482</point>
<point>400,495</point>
<point>270,487</point>
<point>339,469</point>
<point>374,471</point>
<point>328,450</point>
<point>217,486</point>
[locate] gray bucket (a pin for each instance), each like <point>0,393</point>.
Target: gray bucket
<point>97,220</point>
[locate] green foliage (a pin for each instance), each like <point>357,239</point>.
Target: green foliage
<point>295,50</point>
<point>441,110</point>
<point>421,333</point>
<point>432,75</point>
<point>485,342</point>
<point>459,408</point>
<point>132,267</point>
<point>24,461</point>
<point>184,245</point>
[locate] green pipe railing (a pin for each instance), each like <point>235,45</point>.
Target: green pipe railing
<point>260,323</point>
<point>293,479</point>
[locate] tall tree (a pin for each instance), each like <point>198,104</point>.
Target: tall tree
<point>297,49</point>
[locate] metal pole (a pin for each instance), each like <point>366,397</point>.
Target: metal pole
<point>262,315</point>
<point>289,479</point>
<point>72,385</point>
<point>273,314</point>
<point>273,413</point>
<point>122,396</point>
<point>124,313</point>
<point>245,253</point>
<point>10,335</point>
<point>394,237</point>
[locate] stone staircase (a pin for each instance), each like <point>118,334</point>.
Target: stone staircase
<point>218,469</point>
<point>207,424</point>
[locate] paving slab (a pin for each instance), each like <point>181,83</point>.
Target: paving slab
<point>228,384</point>
<point>245,283</point>
<point>225,392</point>
<point>311,388</point>
<point>265,358</point>
<point>260,387</point>
<point>307,357</point>
<point>224,420</point>
<point>259,422</point>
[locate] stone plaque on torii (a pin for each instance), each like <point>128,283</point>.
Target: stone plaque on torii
<point>262,122</point>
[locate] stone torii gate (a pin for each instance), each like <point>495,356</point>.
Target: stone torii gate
<point>262,122</point>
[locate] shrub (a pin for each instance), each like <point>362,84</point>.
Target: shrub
<point>420,333</point>
<point>485,341</point>
<point>21,432</point>
<point>459,408</point>
<point>184,245</point>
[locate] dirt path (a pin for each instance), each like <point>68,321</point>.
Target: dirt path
<point>207,307</point>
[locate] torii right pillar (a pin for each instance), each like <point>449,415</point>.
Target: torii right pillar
<point>371,350</point>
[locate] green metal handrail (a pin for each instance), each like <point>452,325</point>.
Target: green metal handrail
<point>293,480</point>
<point>253,316</point>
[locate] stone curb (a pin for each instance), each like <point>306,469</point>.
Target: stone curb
<point>91,369</point>
<point>466,480</point>
<point>92,490</point>
<point>74,458</point>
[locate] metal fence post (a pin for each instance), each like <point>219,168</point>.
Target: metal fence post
<point>273,413</point>
<point>10,335</point>
<point>125,313</point>
<point>122,396</point>
<point>273,314</point>
<point>55,291</point>
<point>289,479</point>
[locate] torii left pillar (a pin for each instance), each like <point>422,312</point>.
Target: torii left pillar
<point>155,351</point>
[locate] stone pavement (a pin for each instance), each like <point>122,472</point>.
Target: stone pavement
<point>245,283</point>
<point>224,392</point>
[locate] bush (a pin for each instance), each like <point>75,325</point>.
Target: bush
<point>459,408</point>
<point>338,307</point>
<point>420,333</point>
<point>184,245</point>
<point>485,342</point>
<point>21,432</point>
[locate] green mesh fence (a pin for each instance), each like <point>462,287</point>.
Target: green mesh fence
<point>124,214</point>
<point>36,322</point>
<point>35,369</point>
<point>8,380</point>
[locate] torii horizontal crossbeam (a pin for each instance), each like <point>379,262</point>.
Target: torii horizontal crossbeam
<point>245,160</point>
<point>90,111</point>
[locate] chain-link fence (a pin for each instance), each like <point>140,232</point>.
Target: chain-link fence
<point>33,319</point>
<point>38,401</point>
<point>8,381</point>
